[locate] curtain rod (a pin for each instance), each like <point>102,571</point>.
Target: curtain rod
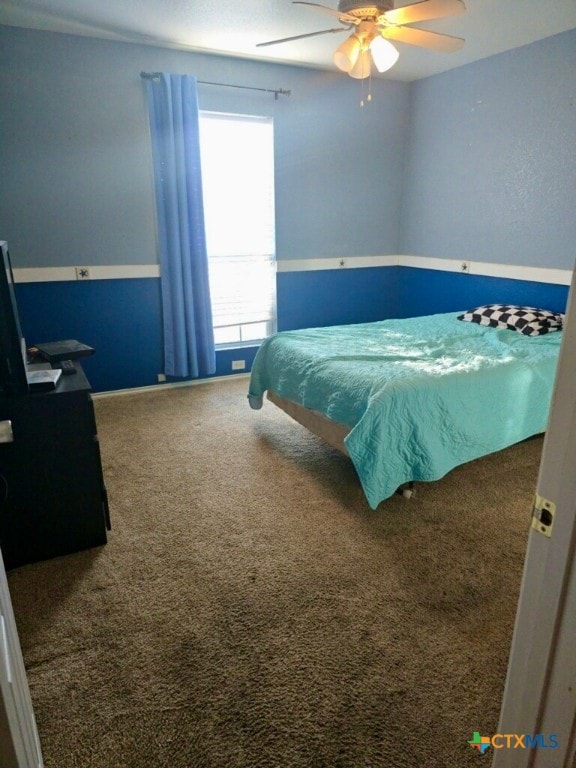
<point>275,91</point>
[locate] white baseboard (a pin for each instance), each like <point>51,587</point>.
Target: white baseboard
<point>154,388</point>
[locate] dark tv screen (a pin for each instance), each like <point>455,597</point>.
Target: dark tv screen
<point>13,379</point>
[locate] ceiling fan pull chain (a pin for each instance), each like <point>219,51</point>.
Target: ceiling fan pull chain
<point>369,94</point>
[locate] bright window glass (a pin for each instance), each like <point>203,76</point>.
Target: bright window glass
<point>238,187</point>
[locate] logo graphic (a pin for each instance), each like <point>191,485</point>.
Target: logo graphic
<point>481,743</point>
<point>513,741</point>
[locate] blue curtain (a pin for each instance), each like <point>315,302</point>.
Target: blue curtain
<point>187,314</point>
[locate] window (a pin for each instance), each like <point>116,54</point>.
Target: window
<point>238,186</point>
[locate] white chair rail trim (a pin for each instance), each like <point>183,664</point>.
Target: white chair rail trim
<point>487,269</point>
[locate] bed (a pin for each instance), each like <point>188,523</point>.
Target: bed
<point>410,399</point>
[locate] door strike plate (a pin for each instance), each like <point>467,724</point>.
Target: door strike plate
<point>543,515</point>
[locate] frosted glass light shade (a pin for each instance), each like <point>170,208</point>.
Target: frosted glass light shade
<point>346,55</point>
<point>384,54</point>
<point>363,65</point>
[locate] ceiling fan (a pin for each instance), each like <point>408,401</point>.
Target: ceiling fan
<point>375,25</point>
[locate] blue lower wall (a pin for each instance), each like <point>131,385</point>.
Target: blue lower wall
<point>121,319</point>
<point>430,291</point>
<point>336,296</point>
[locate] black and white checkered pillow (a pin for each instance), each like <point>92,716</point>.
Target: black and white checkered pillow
<point>527,320</point>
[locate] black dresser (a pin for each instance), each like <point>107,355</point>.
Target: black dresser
<point>52,494</point>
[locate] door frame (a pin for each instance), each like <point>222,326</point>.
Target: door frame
<point>540,690</point>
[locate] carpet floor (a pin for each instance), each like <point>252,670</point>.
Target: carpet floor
<point>251,611</point>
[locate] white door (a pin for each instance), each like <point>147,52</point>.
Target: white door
<point>19,743</point>
<point>540,692</point>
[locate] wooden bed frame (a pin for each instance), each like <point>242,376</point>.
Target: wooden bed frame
<point>330,431</point>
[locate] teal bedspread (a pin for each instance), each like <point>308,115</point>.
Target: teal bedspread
<point>421,396</point>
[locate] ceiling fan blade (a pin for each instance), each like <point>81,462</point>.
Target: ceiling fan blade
<point>299,37</point>
<point>332,11</point>
<point>424,10</point>
<point>423,38</point>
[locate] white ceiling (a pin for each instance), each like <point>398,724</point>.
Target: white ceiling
<point>235,27</point>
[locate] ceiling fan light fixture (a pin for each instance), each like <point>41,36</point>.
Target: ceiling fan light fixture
<point>347,54</point>
<point>375,22</point>
<point>363,65</point>
<point>384,55</point>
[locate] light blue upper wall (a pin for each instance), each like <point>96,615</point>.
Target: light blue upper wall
<point>76,169</point>
<point>491,161</point>
<point>339,169</point>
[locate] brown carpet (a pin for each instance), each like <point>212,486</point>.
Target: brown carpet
<point>250,610</point>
